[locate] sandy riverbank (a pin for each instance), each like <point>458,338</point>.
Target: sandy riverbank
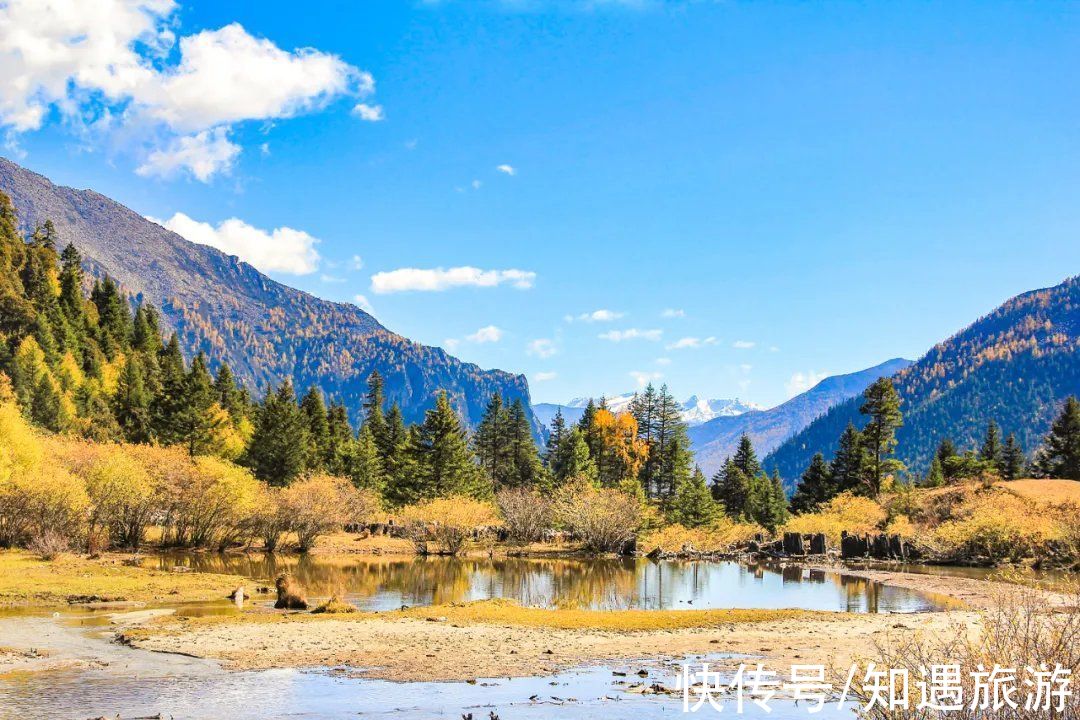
<point>397,647</point>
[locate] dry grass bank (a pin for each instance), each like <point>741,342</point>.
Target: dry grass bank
<point>26,580</point>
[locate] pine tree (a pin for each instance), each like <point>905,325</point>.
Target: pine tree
<point>814,488</point>
<point>278,449</point>
<point>846,470</point>
<point>1061,448</point>
<point>440,460</point>
<point>131,404</point>
<point>990,452</point>
<point>946,449</point>
<point>935,476</point>
<point>392,446</point>
<point>692,504</point>
<point>731,488</point>
<point>555,437</point>
<point>766,503</point>
<point>169,403</point>
<point>882,404</point>
<point>229,396</point>
<point>573,460</point>
<point>526,468</point>
<point>746,459</point>
<point>318,429</point>
<point>47,408</point>
<point>341,445</point>
<point>201,418</point>
<point>374,416</point>
<point>365,468</point>
<point>491,443</point>
<point>1012,459</point>
<point>114,316</point>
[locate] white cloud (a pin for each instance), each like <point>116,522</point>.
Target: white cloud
<point>773,348</point>
<point>369,113</point>
<point>476,184</point>
<point>800,382</point>
<point>662,361</point>
<point>507,169</point>
<point>601,315</point>
<point>544,376</point>
<point>327,278</point>
<point>631,334</point>
<point>643,378</point>
<point>743,344</point>
<point>282,249</point>
<point>673,313</point>
<point>691,343</point>
<point>356,262</point>
<point>362,302</point>
<point>542,348</point>
<point>204,155</point>
<point>112,63</point>
<point>486,334</point>
<point>438,279</point>
<point>451,344</point>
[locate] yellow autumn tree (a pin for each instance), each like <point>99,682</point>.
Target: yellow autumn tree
<point>619,451</point>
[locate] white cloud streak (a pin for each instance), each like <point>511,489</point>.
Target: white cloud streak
<point>800,382</point>
<point>692,343</point>
<point>541,348</point>
<point>282,249</point>
<point>369,113</point>
<point>673,313</point>
<point>595,316</point>
<point>486,334</point>
<point>440,279</point>
<point>507,169</point>
<point>743,344</point>
<point>544,376</point>
<point>643,378</point>
<point>631,334</point>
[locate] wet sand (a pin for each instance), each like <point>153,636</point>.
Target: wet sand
<point>415,649</point>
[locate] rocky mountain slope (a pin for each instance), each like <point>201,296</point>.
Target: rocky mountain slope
<point>265,330</point>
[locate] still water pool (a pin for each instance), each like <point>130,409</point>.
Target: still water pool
<point>383,583</point>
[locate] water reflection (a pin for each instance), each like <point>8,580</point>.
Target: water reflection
<point>382,583</point>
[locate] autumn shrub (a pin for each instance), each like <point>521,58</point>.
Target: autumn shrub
<point>853,513</point>
<point>49,545</point>
<point>603,519</point>
<point>526,513</point>
<point>996,526</point>
<point>270,521</point>
<point>216,507</point>
<point>1022,631</point>
<point>723,535</point>
<point>319,504</point>
<point>447,523</point>
<point>36,496</point>
<point>121,491</point>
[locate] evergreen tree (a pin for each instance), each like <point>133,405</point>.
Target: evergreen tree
<point>731,488</point>
<point>990,452</point>
<point>131,404</point>
<point>374,416</point>
<point>201,418</point>
<point>692,504</point>
<point>573,460</point>
<point>946,449</point>
<point>935,477</point>
<point>440,460</point>
<point>1012,463</point>
<point>341,445</point>
<point>279,445</point>
<point>392,448</point>
<point>318,427</point>
<point>365,469</point>
<point>766,503</point>
<point>1061,448</point>
<point>882,404</point>
<point>555,437</point>
<point>47,408</point>
<point>114,316</point>
<point>168,405</point>
<point>527,469</point>
<point>491,443</point>
<point>229,395</point>
<point>814,488</point>
<point>846,470</point>
<point>746,459</point>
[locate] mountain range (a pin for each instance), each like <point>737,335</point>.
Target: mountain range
<point>717,439</point>
<point>1014,365</point>
<point>266,331</point>
<point>694,410</point>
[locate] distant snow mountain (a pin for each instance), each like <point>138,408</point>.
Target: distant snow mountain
<point>695,410</point>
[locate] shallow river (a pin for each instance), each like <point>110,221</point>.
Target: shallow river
<point>134,683</point>
<point>383,583</point>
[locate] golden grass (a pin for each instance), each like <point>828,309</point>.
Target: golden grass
<point>27,581</point>
<point>1050,491</point>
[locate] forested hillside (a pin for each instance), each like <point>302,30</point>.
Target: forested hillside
<point>1014,366</point>
<point>265,331</point>
<point>716,440</point>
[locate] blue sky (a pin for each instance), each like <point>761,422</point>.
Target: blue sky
<point>805,188</point>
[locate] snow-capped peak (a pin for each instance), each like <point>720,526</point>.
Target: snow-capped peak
<point>695,410</point>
